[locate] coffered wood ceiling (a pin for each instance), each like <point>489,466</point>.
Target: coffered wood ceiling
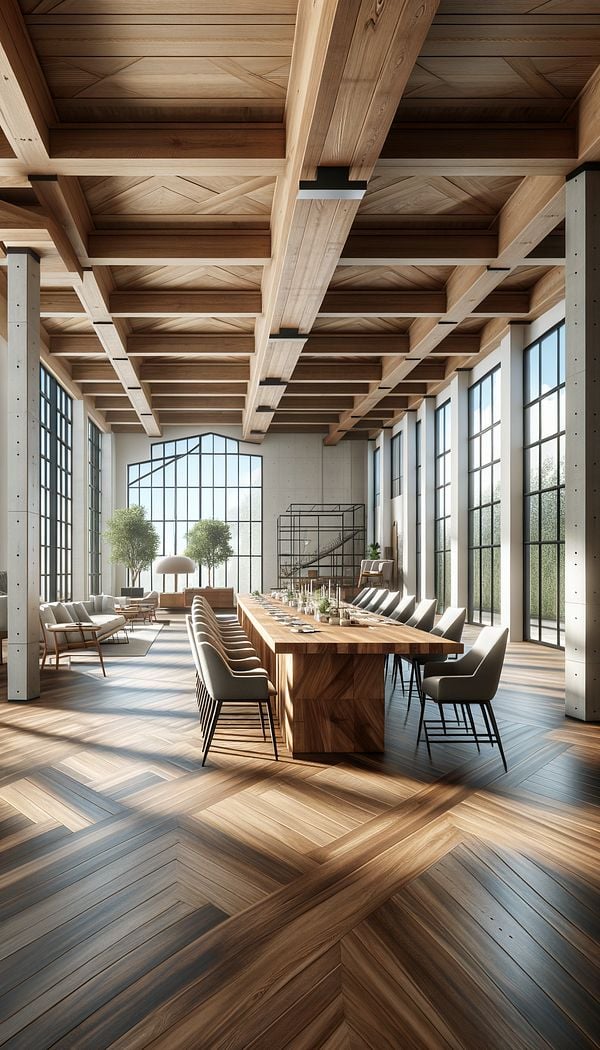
<point>151,155</point>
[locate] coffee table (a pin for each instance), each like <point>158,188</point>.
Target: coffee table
<point>80,641</point>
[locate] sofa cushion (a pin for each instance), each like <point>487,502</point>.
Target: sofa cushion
<point>88,605</point>
<point>61,613</point>
<point>108,604</point>
<point>108,623</point>
<point>82,613</point>
<point>72,611</point>
<point>97,602</point>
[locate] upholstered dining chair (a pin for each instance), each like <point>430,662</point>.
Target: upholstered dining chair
<point>225,686</point>
<point>471,681</point>
<point>422,619</point>
<point>450,626</point>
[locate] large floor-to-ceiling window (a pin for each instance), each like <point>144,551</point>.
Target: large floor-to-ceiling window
<point>443,505</point>
<point>418,484</point>
<point>203,477</point>
<point>94,507</point>
<point>397,464</point>
<point>544,483</point>
<point>376,491</point>
<point>484,499</point>
<point>56,444</point>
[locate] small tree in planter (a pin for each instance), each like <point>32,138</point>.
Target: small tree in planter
<point>133,539</point>
<point>209,544</point>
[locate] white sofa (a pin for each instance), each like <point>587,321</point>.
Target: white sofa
<point>100,608</point>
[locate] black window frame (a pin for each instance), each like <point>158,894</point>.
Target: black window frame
<point>397,464</point>
<point>170,458</point>
<point>544,556</point>
<point>443,497</point>
<point>94,508</point>
<point>484,532</point>
<point>56,490</point>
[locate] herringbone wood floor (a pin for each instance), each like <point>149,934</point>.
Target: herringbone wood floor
<point>376,901</point>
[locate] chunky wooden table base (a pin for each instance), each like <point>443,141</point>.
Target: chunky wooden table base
<point>331,685</point>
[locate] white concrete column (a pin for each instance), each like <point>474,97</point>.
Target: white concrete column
<point>23,465</point>
<point>3,428</point>
<point>582,487</point>
<point>428,498</point>
<point>80,502</point>
<point>409,506</point>
<point>459,469</point>
<point>108,504</point>
<point>385,502</point>
<point>511,480</point>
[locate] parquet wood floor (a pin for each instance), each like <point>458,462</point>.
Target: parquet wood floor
<point>376,901</point>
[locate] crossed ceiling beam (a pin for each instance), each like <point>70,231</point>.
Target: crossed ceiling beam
<point>530,214</point>
<point>350,64</point>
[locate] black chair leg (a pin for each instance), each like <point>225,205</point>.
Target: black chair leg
<point>421,720</point>
<point>487,724</point>
<point>497,732</point>
<point>410,685</point>
<point>474,731</point>
<point>272,727</point>
<point>262,719</point>
<point>211,731</point>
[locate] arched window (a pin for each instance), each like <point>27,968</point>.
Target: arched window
<point>193,478</point>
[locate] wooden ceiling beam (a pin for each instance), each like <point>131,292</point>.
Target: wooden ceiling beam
<point>216,419</point>
<point>199,390</point>
<point>384,303</point>
<point>350,64</point>
<point>480,149</point>
<point>378,303</point>
<point>299,403</point>
<point>185,372</point>
<point>349,344</point>
<point>191,149</point>
<point>63,197</point>
<point>27,109</point>
<point>180,248</point>
<point>189,345</point>
<point>303,419</point>
<point>308,389</point>
<point>531,213</point>
<point>407,247</point>
<point>317,372</point>
<point>60,302</point>
<point>203,404</point>
<point>216,303</point>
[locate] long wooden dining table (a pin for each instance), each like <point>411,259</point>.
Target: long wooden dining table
<point>331,684</point>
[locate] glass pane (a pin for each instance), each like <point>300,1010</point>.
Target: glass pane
<point>532,518</point>
<point>549,581</point>
<point>532,386</point>
<point>532,468</point>
<point>549,410</point>
<point>534,583</point>
<point>532,424</point>
<point>549,362</point>
<point>549,453</point>
<point>549,523</point>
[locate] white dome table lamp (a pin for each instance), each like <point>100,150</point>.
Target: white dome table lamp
<point>174,564</point>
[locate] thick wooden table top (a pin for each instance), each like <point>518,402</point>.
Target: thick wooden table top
<point>383,636</point>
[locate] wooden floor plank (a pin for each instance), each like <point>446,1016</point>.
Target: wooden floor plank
<point>370,901</point>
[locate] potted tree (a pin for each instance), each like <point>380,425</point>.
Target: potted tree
<point>209,545</point>
<point>134,542</point>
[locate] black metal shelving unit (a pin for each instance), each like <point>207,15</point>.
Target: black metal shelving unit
<point>326,539</point>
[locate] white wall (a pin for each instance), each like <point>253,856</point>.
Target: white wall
<point>297,468</point>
